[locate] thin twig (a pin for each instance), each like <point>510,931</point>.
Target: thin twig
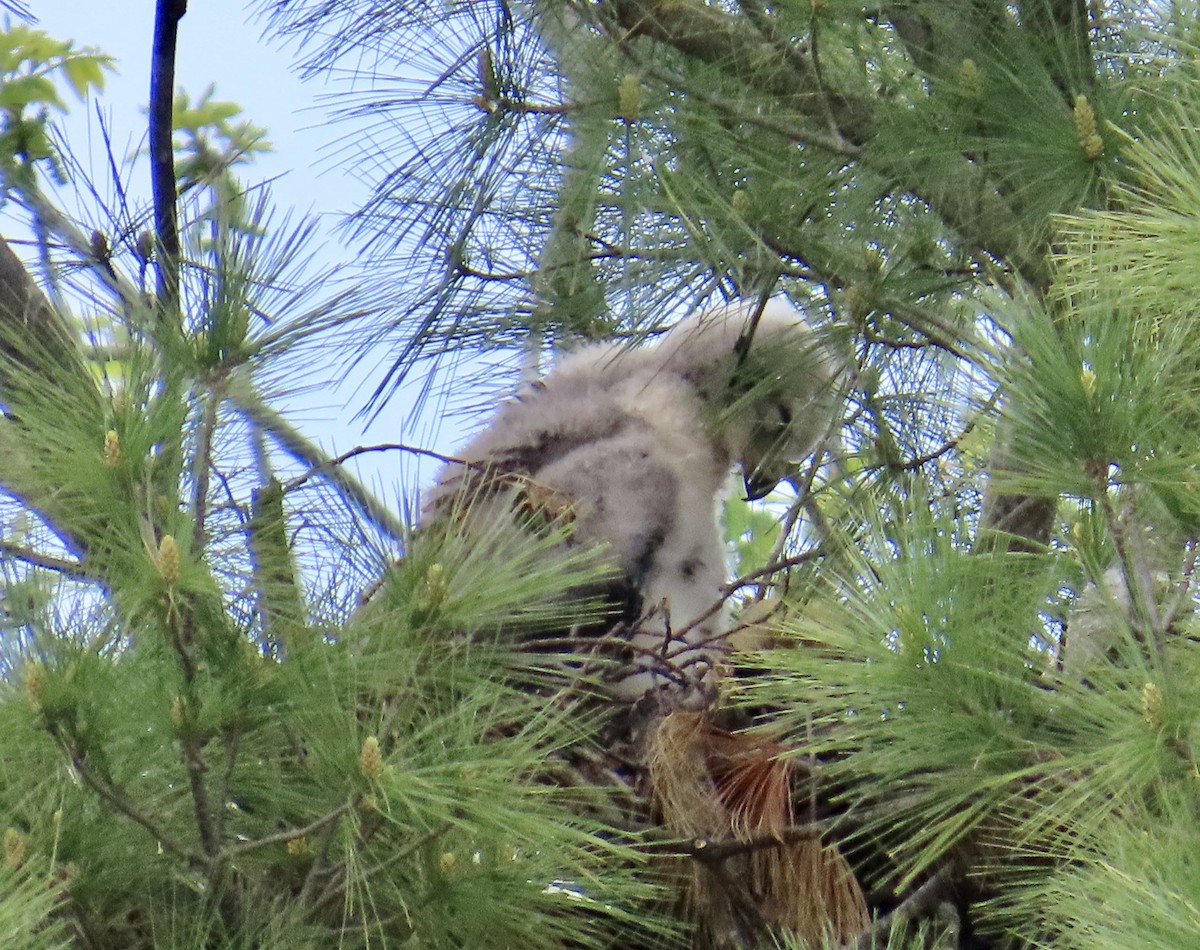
<point>231,740</point>
<point>493,105</point>
<point>324,467</point>
<point>932,456</point>
<point>785,529</point>
<point>782,564</point>
<point>680,636</point>
<point>803,489</point>
<point>320,863</point>
<point>708,851</point>
<point>673,645</point>
<point>290,834</point>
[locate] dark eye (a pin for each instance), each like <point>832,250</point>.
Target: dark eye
<point>785,414</point>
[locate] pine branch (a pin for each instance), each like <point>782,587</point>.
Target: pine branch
<point>201,466</point>
<point>80,244</point>
<point>1135,572</point>
<point>280,596</point>
<point>181,623</point>
<point>1182,601</point>
<point>566,286</point>
<point>320,863</point>
<point>302,449</point>
<point>31,330</point>
<point>939,34</point>
<point>777,565</point>
<point>34,339</point>
<point>708,851</point>
<point>231,741</point>
<point>48,562</point>
<point>713,36</point>
<point>115,797</point>
<point>959,192</point>
<point>333,890</point>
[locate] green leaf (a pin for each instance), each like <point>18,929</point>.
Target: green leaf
<point>86,73</point>
<point>23,91</point>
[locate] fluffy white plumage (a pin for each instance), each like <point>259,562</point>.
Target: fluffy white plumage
<point>641,442</point>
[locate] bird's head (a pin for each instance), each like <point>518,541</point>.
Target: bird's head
<point>769,385</point>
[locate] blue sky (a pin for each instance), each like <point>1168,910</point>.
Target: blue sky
<point>221,42</point>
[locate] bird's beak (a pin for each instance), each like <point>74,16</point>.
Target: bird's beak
<point>759,485</point>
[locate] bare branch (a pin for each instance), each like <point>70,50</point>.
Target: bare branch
<point>708,851</point>
<point>168,13</point>
<point>325,467</point>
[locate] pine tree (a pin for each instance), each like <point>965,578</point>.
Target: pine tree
<point>229,719</point>
<point>219,727</point>
<point>984,657</point>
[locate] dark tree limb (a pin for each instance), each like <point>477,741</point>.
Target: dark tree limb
<point>168,13</point>
<point>47,562</point>
<point>939,34</point>
<point>103,787</point>
<point>19,9</point>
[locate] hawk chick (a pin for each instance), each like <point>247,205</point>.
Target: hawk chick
<point>640,442</point>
